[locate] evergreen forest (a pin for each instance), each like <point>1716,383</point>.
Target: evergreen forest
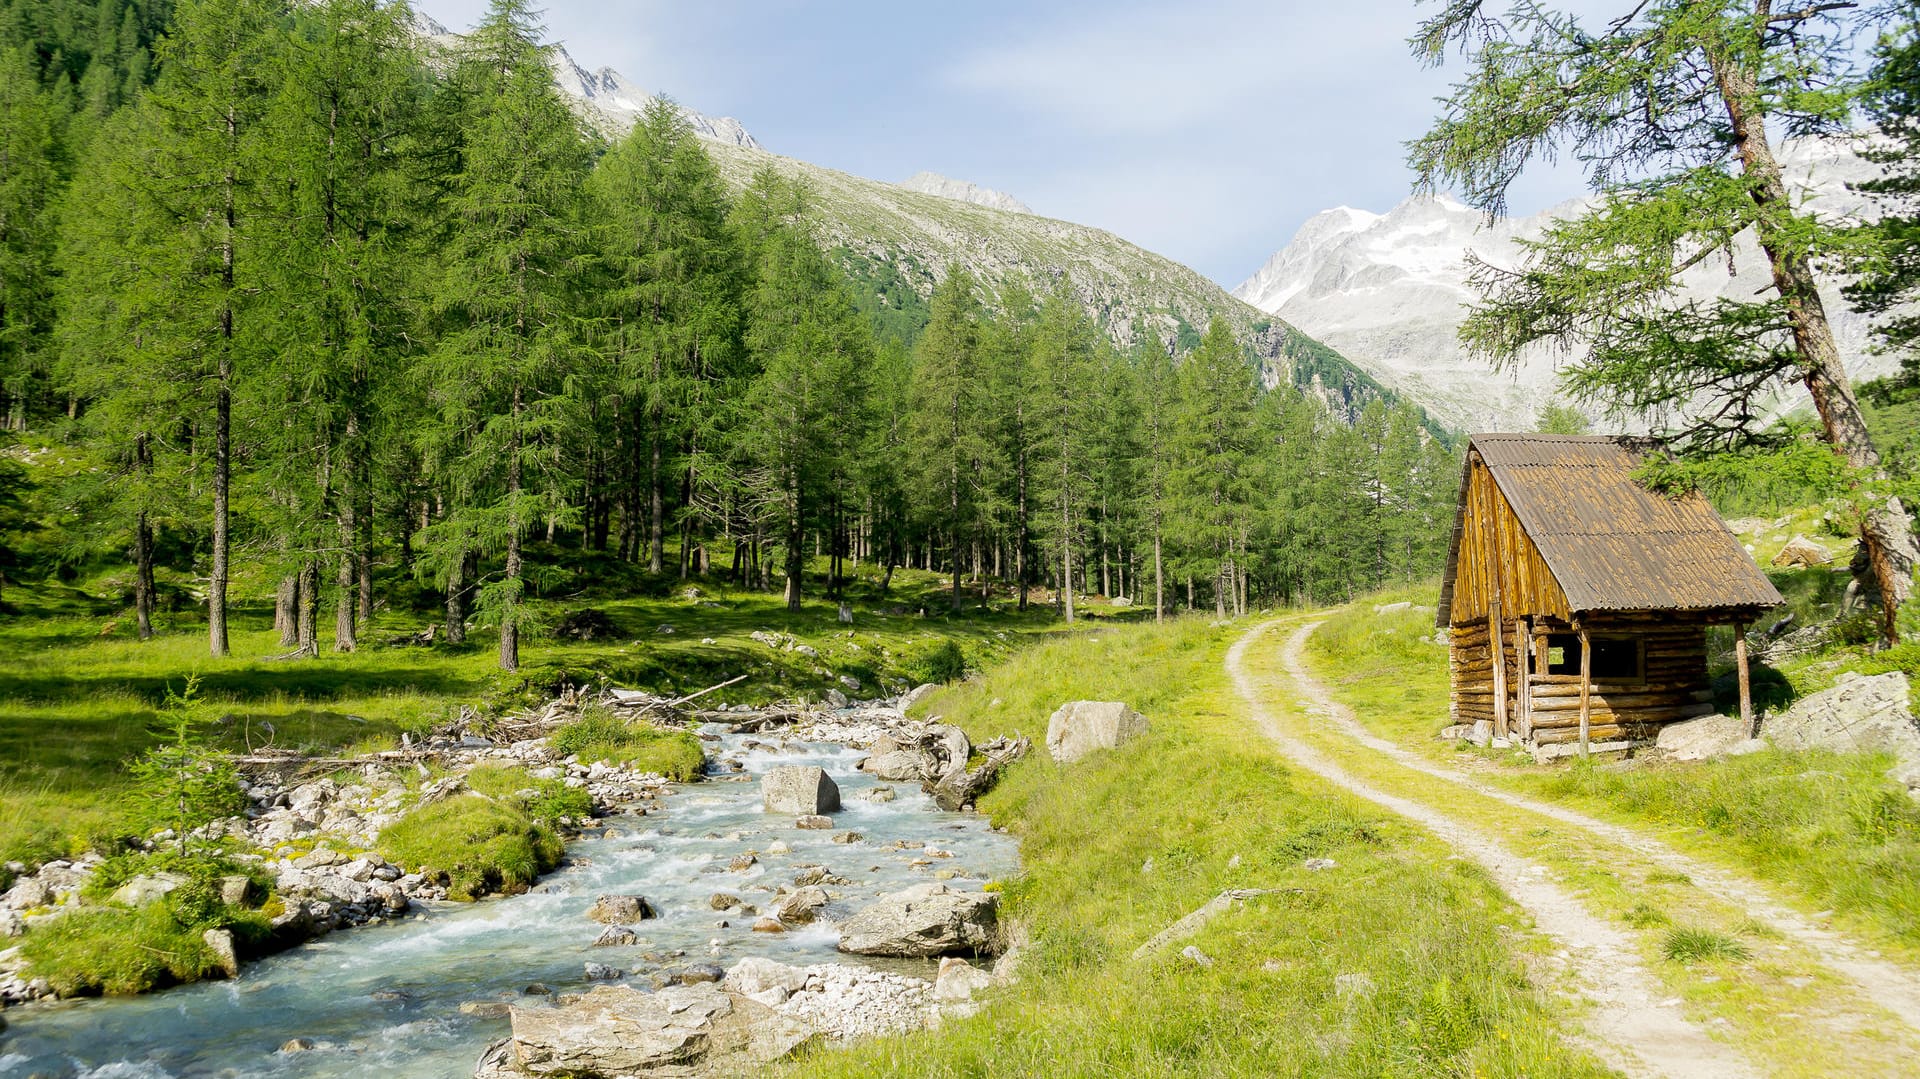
<point>297,308</point>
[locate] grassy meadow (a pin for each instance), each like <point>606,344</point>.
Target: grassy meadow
<point>1397,961</point>
<point>79,692</point>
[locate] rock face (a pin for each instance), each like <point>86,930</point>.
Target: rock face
<point>1077,728</point>
<point>922,921</point>
<point>1389,290</point>
<point>1708,736</point>
<point>1867,714</point>
<point>618,1031</point>
<point>801,791</point>
<point>932,183</point>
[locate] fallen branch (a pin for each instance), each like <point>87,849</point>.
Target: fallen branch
<point>1193,923</point>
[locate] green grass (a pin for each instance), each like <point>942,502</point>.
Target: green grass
<point>544,801</point>
<point>1829,826</point>
<point>477,844</point>
<point>1702,945</point>
<point>78,692</point>
<point>113,950</point>
<point>1205,800</point>
<point>600,736</point>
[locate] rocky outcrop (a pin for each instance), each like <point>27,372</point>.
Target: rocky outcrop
<point>923,921</point>
<point>932,183</point>
<point>1803,553</point>
<point>1863,714</point>
<point>800,790</point>
<point>1077,728</point>
<point>1706,737</point>
<point>620,1031</point>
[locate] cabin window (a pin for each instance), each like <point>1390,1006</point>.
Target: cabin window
<point>1615,659</point>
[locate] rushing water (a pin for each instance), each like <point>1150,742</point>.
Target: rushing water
<point>384,1000</point>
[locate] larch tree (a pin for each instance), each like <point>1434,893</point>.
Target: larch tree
<point>199,164</point>
<point>1673,107</point>
<point>952,444</point>
<point>507,308</point>
<point>1066,360</point>
<point>1213,435</point>
<point>30,181</point>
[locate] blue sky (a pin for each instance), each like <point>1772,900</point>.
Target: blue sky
<point>1207,131</point>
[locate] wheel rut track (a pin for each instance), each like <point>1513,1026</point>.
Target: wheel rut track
<point>1632,1025</point>
<point>1891,986</point>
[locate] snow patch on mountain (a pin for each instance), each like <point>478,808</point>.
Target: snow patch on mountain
<point>1389,291</point>
<point>932,183</point>
<point>605,98</point>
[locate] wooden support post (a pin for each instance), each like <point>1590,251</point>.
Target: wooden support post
<point>1746,690</point>
<point>1524,630</point>
<point>1498,636</point>
<point>1586,688</point>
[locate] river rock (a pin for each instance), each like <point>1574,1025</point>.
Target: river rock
<point>958,981</point>
<point>615,936</point>
<point>220,943</point>
<point>147,888</point>
<point>1862,714</point>
<point>233,890</point>
<point>814,822</point>
<point>621,909</point>
<point>922,921</point>
<point>802,906</point>
<point>1077,728</point>
<point>901,765</point>
<point>28,893</point>
<point>485,1009</point>
<point>677,1031</point>
<point>723,901</point>
<point>756,974</point>
<point>804,790</point>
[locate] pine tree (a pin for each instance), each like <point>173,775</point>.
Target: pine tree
<point>507,309</point>
<point>1212,440</point>
<point>1066,364</point>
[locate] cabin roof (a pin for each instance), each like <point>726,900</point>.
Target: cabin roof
<point>1612,544</point>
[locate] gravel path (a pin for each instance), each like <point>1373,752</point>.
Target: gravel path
<point>1632,1023</point>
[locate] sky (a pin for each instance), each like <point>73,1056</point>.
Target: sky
<point>1206,130</point>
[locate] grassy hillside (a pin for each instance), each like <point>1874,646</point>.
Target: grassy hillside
<point>888,236</point>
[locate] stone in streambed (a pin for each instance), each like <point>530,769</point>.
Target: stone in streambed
<point>679,1030</point>
<point>814,822</point>
<point>805,790</point>
<point>615,936</point>
<point>621,910</point>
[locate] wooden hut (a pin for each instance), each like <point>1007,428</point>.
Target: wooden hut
<point>1578,601</point>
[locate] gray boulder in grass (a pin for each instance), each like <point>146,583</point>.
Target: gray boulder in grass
<point>799,790</point>
<point>1077,728</point>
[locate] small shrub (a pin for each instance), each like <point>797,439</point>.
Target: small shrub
<point>182,783</point>
<point>937,662</point>
<point>1694,945</point>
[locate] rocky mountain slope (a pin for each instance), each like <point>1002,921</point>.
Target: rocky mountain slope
<point>1387,291</point>
<point>906,234</point>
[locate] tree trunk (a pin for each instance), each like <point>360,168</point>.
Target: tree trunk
<point>796,544</point>
<point>457,576</point>
<point>1159,583</point>
<point>657,512</point>
<point>1886,531</point>
<point>143,576</point>
<point>510,618</point>
<point>286,609</point>
<point>343,640</point>
<point>308,619</point>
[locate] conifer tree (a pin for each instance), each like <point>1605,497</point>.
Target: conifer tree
<point>1213,438</point>
<point>29,183</point>
<point>508,310</point>
<point>951,447</point>
<point>1066,363</point>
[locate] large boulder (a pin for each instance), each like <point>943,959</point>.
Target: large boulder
<point>922,921</point>
<point>1863,714</point>
<point>1708,736</point>
<point>1802,552</point>
<point>147,888</point>
<point>917,694</point>
<point>1077,728</point>
<point>683,1030</point>
<point>755,974</point>
<point>801,790</point>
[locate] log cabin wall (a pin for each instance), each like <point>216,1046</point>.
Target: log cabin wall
<point>1665,682</point>
<point>1491,532</point>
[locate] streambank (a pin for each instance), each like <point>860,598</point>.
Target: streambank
<point>389,997</point>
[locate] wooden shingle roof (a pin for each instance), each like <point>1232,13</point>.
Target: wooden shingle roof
<point>1611,544</point>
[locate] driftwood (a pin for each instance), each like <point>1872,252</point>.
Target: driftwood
<point>961,785</point>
